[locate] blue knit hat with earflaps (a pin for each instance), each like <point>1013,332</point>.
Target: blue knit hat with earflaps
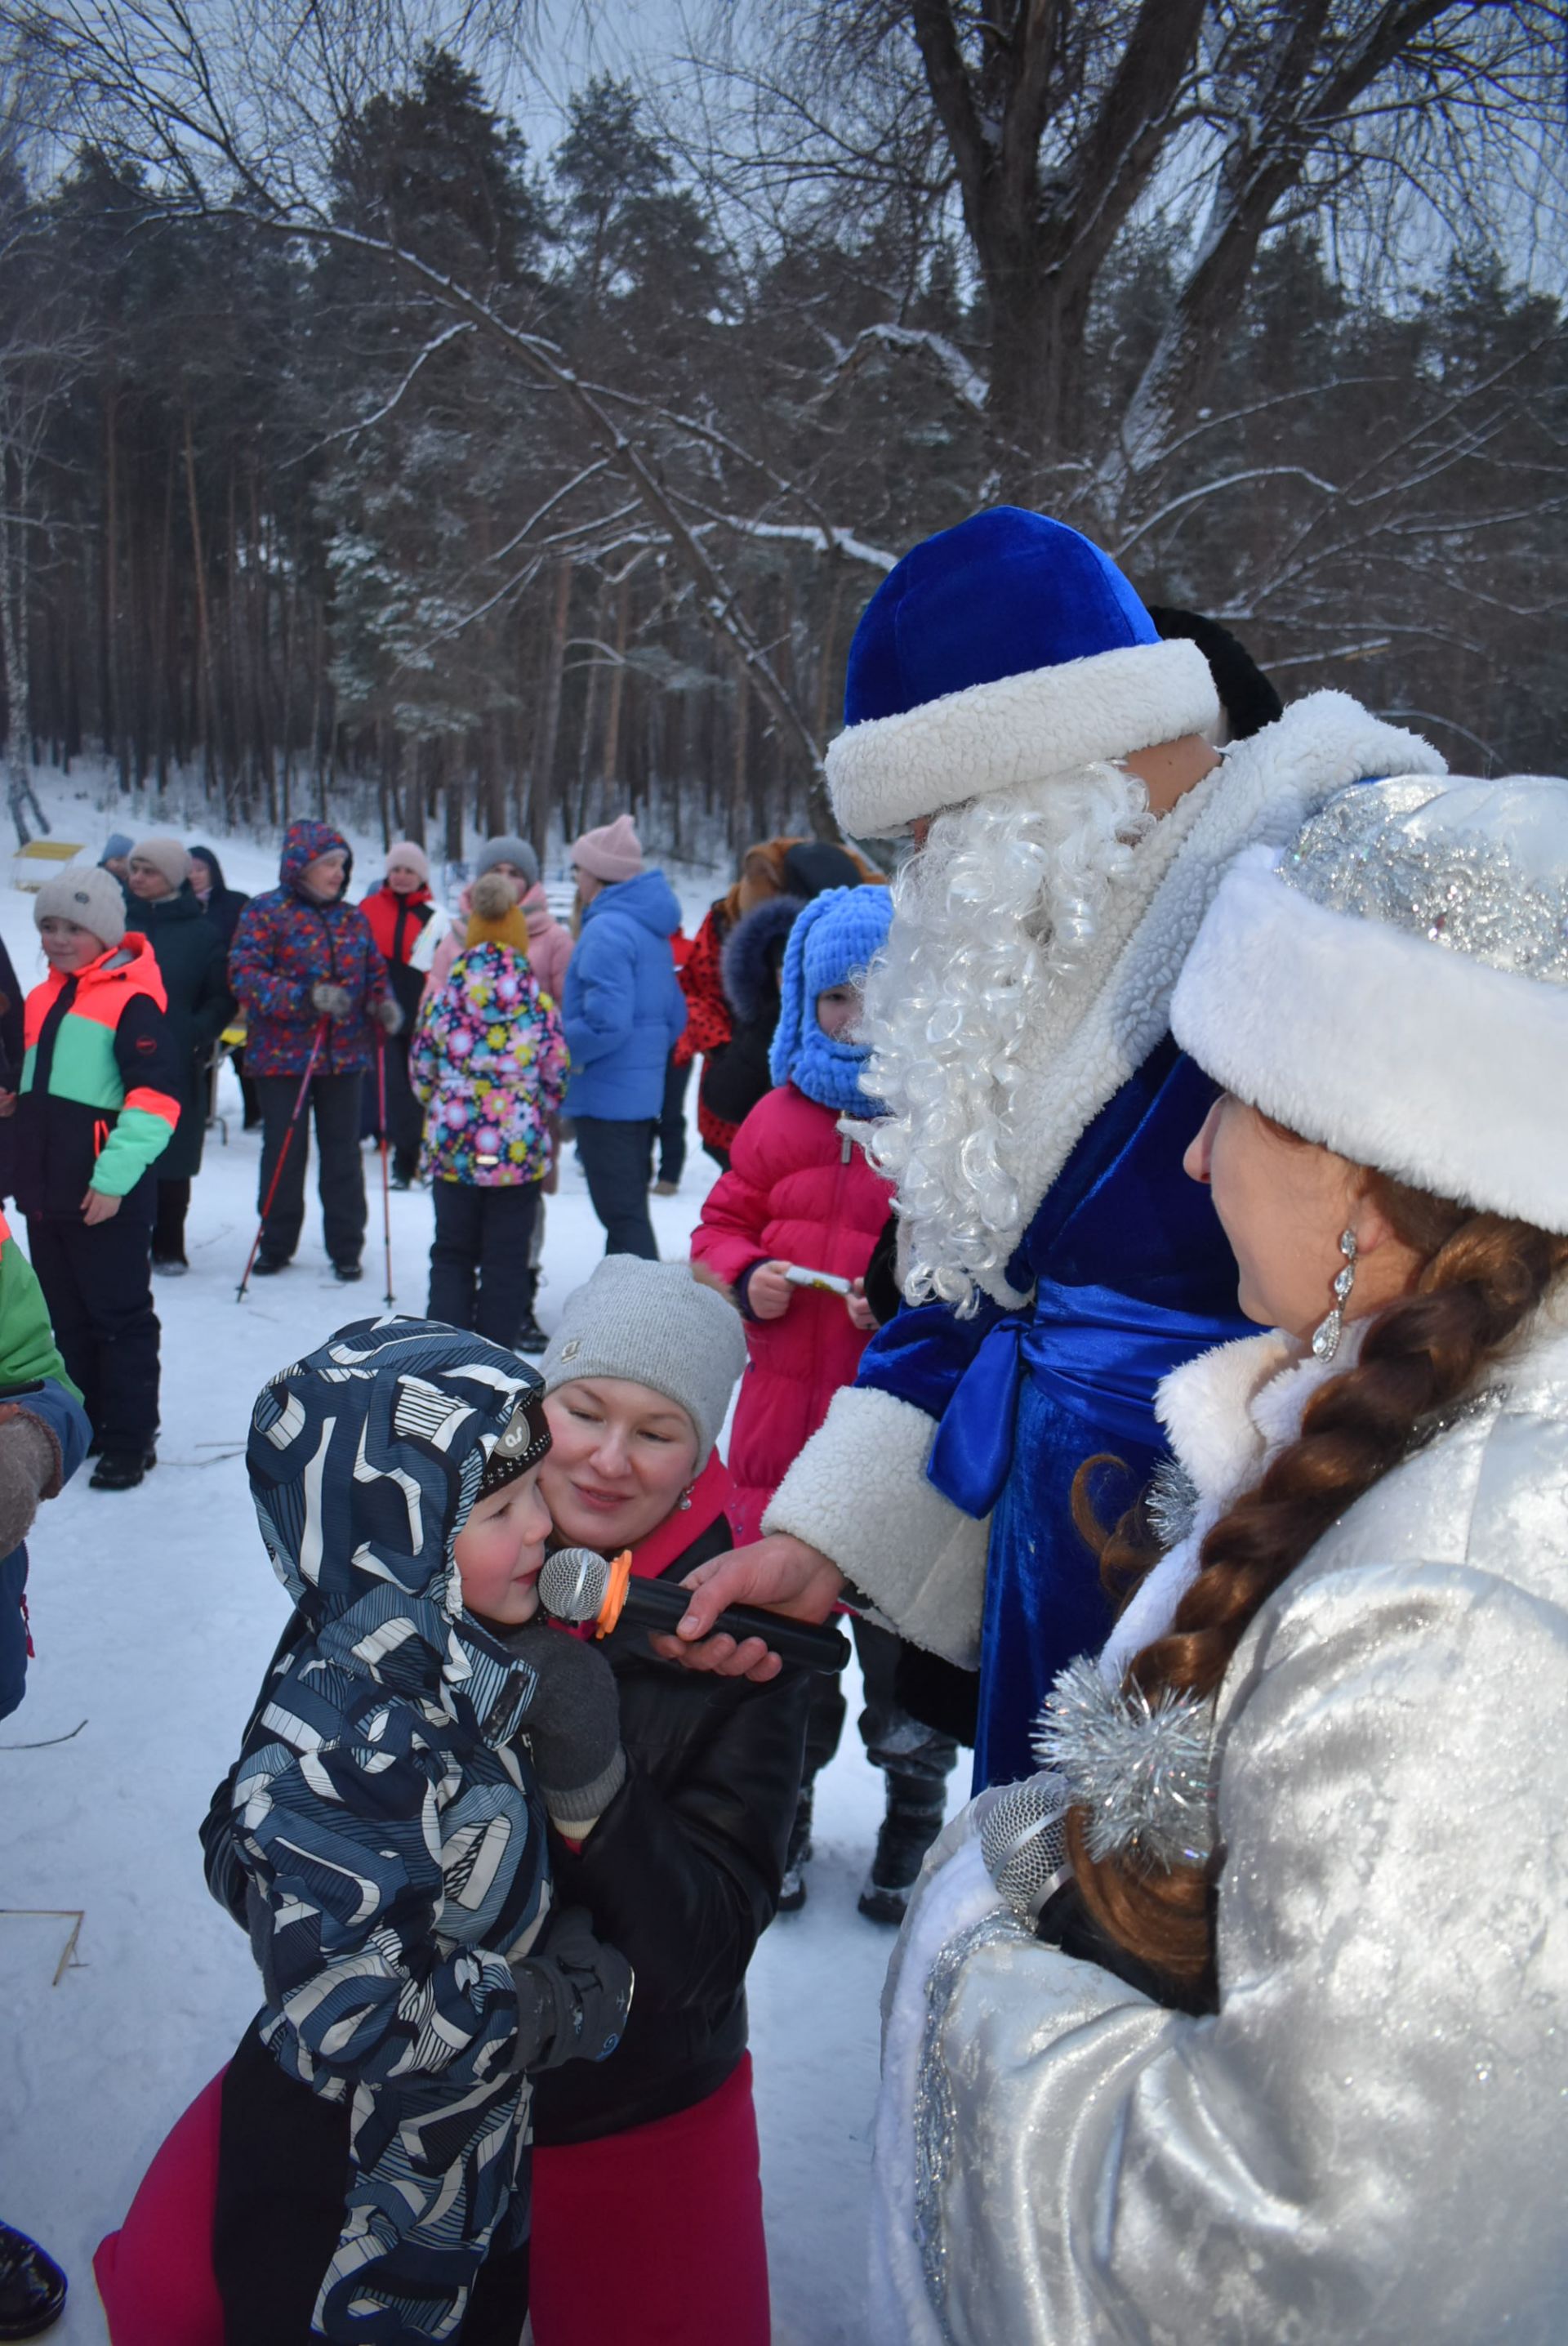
<point>834,939</point>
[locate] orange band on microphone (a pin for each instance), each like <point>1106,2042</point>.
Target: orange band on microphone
<point>609,1612</point>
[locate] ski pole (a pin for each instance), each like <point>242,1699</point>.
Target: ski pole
<point>319,1037</point>
<point>386,1185</point>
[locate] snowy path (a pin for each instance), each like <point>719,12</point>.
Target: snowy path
<point>154,1613</point>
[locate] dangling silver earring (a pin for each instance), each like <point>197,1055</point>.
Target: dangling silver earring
<point>1326,1335</point>
<point>683,1502</point>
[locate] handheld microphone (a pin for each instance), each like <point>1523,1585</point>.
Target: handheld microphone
<point>1023,1842</point>
<point>577,1585</point>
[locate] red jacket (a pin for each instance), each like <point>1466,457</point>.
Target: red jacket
<point>707,1020</point>
<point>798,1190</point>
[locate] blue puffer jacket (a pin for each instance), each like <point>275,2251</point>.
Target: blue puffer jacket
<point>623,1011</point>
<point>392,1837</point>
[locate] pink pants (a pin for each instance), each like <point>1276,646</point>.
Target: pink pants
<point>651,2237</point>
<point>654,2237</point>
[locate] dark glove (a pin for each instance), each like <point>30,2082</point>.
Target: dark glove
<point>390,1013</point>
<point>573,1722</point>
<point>29,1465</point>
<point>332,1000</point>
<point>573,1993</point>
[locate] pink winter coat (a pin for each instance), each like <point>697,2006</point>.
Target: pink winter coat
<point>550,944</point>
<point>798,1191</point>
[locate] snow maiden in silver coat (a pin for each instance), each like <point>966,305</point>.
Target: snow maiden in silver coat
<point>1336,2108</point>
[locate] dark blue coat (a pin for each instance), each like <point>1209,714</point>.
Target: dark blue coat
<point>623,1010</point>
<point>1132,1276</point>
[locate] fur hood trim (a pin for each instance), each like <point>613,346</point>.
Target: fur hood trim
<point>749,984</point>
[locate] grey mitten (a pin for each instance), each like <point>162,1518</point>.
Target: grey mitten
<point>390,1013</point>
<point>573,1722</point>
<point>332,1000</point>
<point>29,1463</point>
<point>573,1993</point>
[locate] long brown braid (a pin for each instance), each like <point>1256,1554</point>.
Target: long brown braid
<point>1483,1276</point>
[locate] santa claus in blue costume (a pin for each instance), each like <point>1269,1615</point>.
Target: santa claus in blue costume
<point>1011,706</point>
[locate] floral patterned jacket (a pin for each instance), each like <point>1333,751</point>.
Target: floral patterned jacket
<point>489,1061</point>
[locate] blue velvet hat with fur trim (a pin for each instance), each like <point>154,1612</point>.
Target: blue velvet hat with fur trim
<point>995,655</point>
<point>833,942</point>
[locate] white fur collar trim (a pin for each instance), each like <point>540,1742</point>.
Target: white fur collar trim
<point>1232,1410</point>
<point>1228,1414</point>
<point>1264,791</point>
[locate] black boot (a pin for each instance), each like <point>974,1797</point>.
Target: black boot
<point>529,1338</point>
<point>915,1810</point>
<point>32,2287</point>
<point>792,1889</point>
<point>120,1470</point>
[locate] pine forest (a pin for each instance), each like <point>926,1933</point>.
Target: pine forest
<point>356,449</point>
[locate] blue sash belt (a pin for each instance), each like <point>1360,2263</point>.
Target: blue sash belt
<point>1098,1353</point>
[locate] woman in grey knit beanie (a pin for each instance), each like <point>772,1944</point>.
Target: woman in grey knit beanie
<point>681,1871</point>
<point>651,1325</point>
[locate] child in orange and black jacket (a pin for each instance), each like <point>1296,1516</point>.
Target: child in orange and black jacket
<point>98,1103</point>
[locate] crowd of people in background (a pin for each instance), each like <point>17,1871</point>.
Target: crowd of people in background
<point>474,1045</point>
<point>1186,1017</point>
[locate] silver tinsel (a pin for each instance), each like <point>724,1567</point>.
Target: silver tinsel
<point>1472,866</point>
<point>1141,1769</point>
<point>1171,1503</point>
<point>933,2114</point>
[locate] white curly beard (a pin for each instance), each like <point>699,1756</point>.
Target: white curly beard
<point>1003,927</point>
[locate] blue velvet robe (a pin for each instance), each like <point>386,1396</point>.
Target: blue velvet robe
<point>1131,1276</point>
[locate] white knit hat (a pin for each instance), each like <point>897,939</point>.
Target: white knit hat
<point>92,898</point>
<point>653,1323</point>
<point>1394,985</point>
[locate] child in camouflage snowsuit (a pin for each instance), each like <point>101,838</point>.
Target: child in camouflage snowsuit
<point>386,1842</point>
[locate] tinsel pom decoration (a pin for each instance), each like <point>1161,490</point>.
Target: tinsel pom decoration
<point>1141,1769</point>
<point>1171,1503</point>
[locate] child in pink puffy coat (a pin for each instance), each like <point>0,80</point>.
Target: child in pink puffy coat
<point>798,1192</point>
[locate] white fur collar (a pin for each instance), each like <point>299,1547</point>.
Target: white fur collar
<point>1227,1415</point>
<point>1265,790</point>
<point>1231,1411</point>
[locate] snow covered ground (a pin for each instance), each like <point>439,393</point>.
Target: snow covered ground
<point>154,1613</point>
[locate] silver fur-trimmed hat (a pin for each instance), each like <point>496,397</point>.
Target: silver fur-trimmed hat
<point>1394,985</point>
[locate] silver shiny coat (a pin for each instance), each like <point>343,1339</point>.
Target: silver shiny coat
<point>1368,2144</point>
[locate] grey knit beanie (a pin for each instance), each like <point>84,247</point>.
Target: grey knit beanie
<point>91,897</point>
<point>653,1323</point>
<point>509,850</point>
<point>165,856</point>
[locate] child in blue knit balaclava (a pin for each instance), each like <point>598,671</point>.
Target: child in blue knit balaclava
<point>799,1196</point>
<point>830,948</point>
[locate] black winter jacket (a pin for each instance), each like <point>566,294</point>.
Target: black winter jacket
<point>225,904</point>
<point>193,965</point>
<point>682,1874</point>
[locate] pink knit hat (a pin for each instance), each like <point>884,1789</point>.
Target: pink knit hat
<point>610,853</point>
<point>404,850</point>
